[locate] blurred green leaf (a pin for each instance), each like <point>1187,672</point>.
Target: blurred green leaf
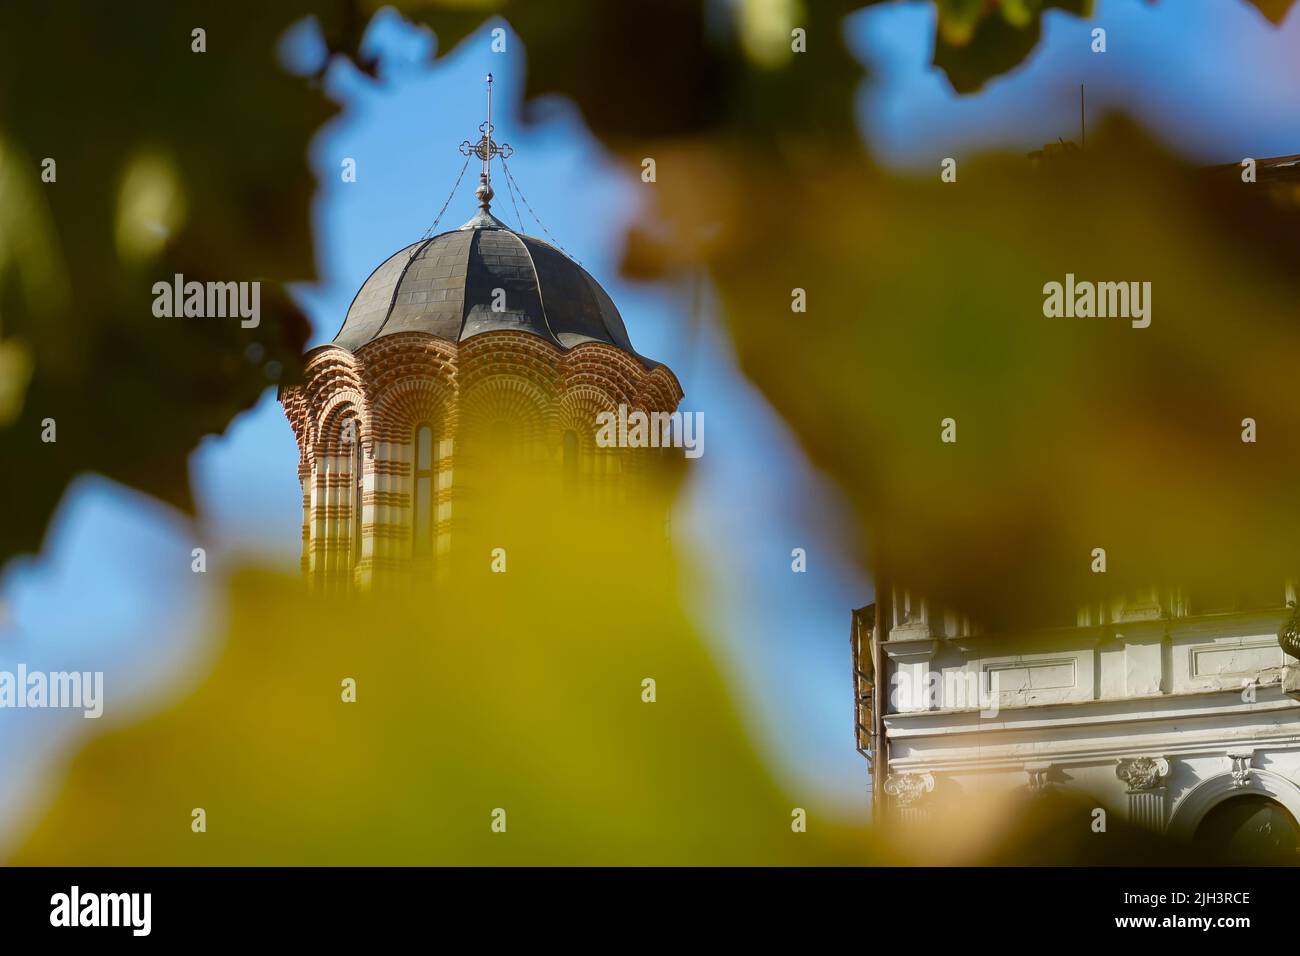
<point>977,41</point>
<point>925,301</point>
<point>521,691</point>
<point>167,161</point>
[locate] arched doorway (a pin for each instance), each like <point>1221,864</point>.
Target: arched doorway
<point>1249,829</point>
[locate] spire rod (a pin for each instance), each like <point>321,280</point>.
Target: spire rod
<point>486,148</point>
<point>1083,127</point>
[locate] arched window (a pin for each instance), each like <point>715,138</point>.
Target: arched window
<point>358,486</point>
<point>1251,828</point>
<point>422,501</point>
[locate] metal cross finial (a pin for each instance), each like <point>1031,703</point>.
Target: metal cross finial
<point>485,148</point>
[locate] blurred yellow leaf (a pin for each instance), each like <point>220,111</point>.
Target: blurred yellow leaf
<point>15,370</point>
<point>925,301</point>
<point>520,690</point>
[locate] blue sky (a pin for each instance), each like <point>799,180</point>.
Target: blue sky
<point>113,590</point>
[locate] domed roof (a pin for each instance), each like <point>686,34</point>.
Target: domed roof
<point>445,286</point>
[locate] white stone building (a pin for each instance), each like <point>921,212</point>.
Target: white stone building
<point>1182,715</point>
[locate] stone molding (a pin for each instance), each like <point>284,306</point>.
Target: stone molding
<point>1038,773</point>
<point>1142,773</point>
<point>1241,769</point>
<point>908,789</point>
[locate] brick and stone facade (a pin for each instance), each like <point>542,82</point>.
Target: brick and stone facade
<point>1179,713</point>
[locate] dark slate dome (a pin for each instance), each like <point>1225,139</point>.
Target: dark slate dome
<point>445,286</point>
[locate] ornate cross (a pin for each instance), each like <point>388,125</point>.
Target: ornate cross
<point>486,148</point>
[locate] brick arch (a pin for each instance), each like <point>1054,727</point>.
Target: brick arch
<point>531,408</point>
<point>605,367</point>
<point>300,418</point>
<point>342,404</point>
<point>617,373</point>
<point>404,404</point>
<point>660,390</point>
<point>578,408</point>
<point>407,355</point>
<point>326,371</point>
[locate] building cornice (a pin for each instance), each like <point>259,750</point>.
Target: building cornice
<point>1086,713</point>
<point>1078,756</point>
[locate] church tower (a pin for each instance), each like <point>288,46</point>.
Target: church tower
<point>478,342</point>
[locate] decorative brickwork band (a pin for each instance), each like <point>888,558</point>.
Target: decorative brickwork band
<point>357,417</point>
